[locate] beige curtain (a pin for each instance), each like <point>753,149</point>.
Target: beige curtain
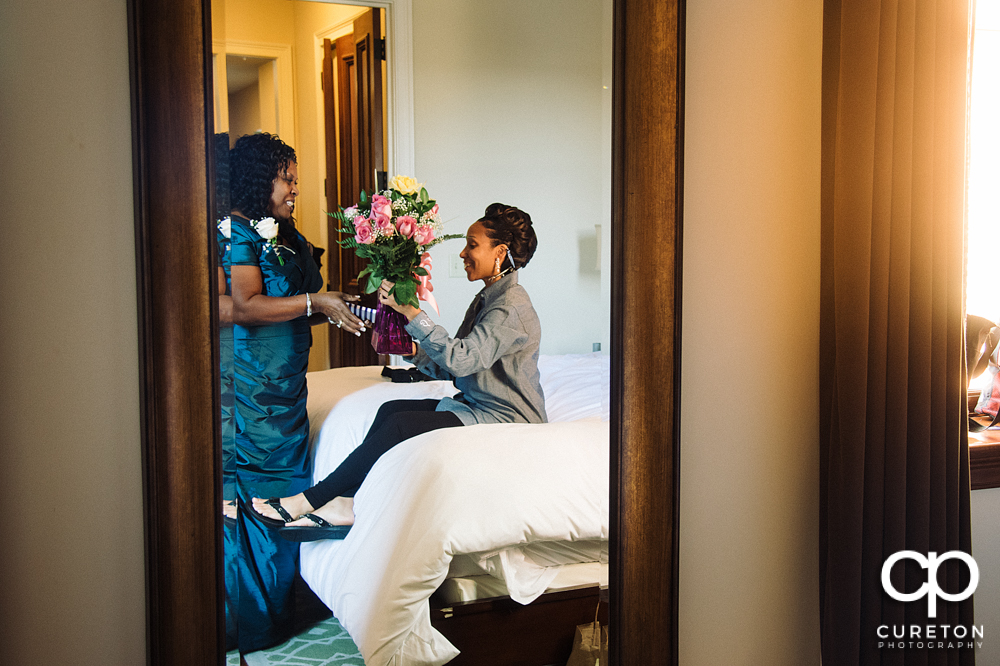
<point>894,458</point>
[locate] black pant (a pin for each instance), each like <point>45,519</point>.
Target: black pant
<point>396,421</point>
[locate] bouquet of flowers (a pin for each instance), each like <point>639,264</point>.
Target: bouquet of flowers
<point>393,230</point>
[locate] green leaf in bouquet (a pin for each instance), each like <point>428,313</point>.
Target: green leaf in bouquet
<point>420,270</point>
<point>349,242</point>
<point>441,239</point>
<point>363,198</point>
<point>424,197</point>
<point>402,251</point>
<point>364,271</point>
<point>406,293</point>
<point>374,282</point>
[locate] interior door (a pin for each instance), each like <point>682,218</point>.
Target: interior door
<point>359,163</point>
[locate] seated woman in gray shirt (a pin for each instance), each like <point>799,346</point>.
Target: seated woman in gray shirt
<point>493,361</point>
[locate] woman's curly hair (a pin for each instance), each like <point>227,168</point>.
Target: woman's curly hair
<point>222,205</point>
<point>254,162</point>
<point>512,227</point>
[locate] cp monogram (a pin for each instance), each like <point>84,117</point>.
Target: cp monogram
<point>930,589</point>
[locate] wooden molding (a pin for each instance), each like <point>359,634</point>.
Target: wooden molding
<point>170,68</point>
<point>647,160</point>
<point>984,459</point>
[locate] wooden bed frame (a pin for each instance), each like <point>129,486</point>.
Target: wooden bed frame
<point>498,631</point>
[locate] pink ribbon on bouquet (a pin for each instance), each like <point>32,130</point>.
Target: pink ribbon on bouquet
<point>424,286</point>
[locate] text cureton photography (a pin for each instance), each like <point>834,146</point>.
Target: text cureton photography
<point>930,636</point>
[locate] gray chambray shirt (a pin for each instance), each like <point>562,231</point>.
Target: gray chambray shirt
<point>493,359</point>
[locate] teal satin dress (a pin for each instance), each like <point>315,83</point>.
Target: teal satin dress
<point>230,542</point>
<point>271,432</point>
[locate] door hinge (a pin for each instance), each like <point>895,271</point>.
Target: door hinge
<point>381,49</point>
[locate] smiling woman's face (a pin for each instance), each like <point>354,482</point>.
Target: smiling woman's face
<point>479,254</point>
<point>284,189</point>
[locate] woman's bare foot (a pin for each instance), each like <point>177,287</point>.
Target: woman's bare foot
<point>295,506</point>
<point>338,511</point>
<point>229,509</point>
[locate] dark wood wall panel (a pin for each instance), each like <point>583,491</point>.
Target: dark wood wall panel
<point>645,342</point>
<point>178,339</point>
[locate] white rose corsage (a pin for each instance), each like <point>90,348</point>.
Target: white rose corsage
<point>267,229</point>
<point>226,227</point>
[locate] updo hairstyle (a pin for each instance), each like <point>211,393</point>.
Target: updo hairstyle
<point>254,162</point>
<point>512,227</point>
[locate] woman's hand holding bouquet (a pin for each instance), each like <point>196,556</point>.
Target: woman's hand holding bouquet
<point>333,304</point>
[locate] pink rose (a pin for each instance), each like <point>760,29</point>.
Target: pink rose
<point>360,221</point>
<point>364,236</point>
<point>406,225</point>
<point>434,210</point>
<point>381,206</point>
<point>424,234</point>
<point>383,225</point>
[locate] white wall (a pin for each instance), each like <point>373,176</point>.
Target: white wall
<point>71,558</point>
<point>510,106</point>
<point>986,550</point>
<point>750,379</point>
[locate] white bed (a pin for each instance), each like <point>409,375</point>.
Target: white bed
<point>509,509</point>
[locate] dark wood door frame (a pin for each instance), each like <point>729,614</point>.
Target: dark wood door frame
<point>352,97</point>
<point>172,115</point>
<point>169,46</point>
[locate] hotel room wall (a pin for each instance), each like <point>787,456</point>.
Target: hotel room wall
<point>510,107</point>
<point>71,559</point>
<point>265,89</point>
<point>986,550</point>
<point>750,355</point>
<point>244,111</point>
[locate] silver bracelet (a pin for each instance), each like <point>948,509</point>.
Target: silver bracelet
<point>309,305</point>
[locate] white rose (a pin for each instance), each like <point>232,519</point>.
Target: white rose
<point>226,227</point>
<point>405,184</point>
<point>267,228</point>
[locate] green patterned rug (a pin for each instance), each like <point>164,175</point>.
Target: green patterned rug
<point>323,644</point>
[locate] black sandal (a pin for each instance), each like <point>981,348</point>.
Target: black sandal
<point>323,530</point>
<point>274,503</point>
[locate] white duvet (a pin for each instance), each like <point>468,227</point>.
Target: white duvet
<point>487,490</point>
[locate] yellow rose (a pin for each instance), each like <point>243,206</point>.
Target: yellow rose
<point>405,184</point>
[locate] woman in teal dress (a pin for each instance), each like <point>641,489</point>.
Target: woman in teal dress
<point>275,301</point>
<point>227,393</point>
